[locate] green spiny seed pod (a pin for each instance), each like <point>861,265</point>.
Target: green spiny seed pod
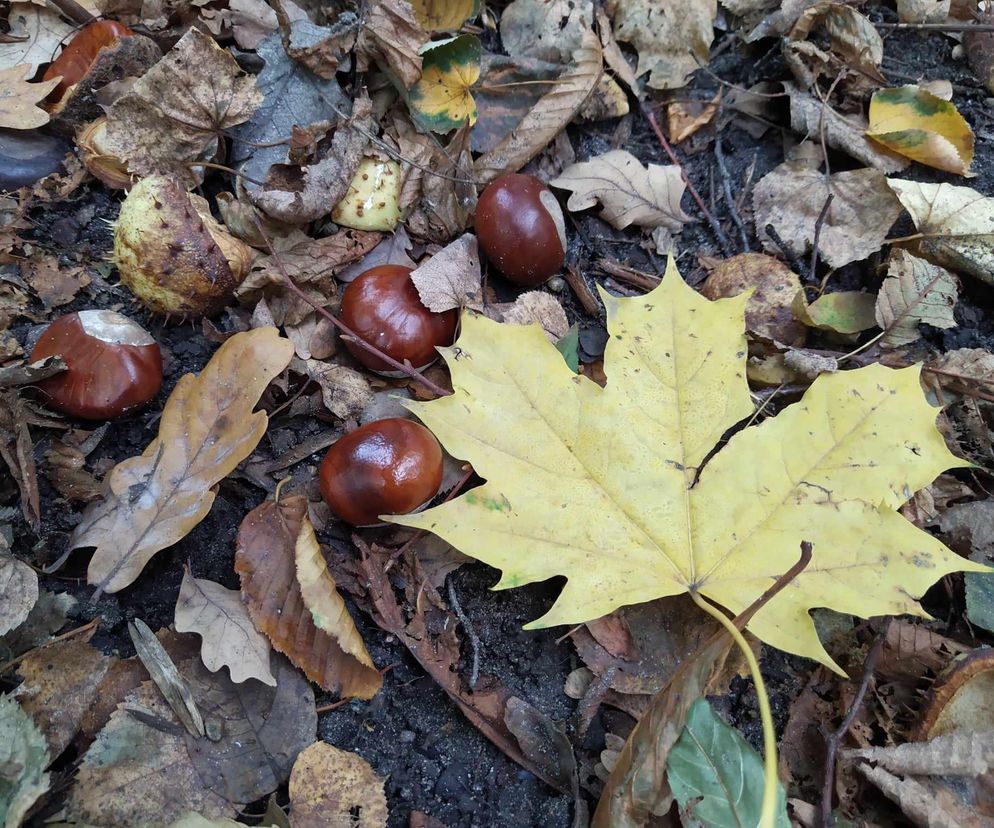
<point>172,254</point>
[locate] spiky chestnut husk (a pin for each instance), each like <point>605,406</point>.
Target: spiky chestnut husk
<point>171,253</point>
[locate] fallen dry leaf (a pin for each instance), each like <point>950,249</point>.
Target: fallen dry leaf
<point>332,787</point>
<point>54,285</point>
<point>39,32</point>
<point>628,192</point>
<point>392,37</point>
<point>65,464</point>
<point>228,637</point>
<point>19,99</point>
<point>914,292</point>
<point>537,306</point>
<point>345,392</point>
<point>264,561</point>
<point>451,278</point>
<point>23,759</point>
<point>550,30</point>
<point>792,196</point>
<point>176,112</point>
<point>18,589</point>
<point>668,36</point>
<point>548,117</point>
<point>207,428</point>
<point>956,223</point>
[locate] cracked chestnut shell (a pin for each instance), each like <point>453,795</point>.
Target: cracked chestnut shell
<point>113,365</point>
<point>521,228</point>
<point>172,254</point>
<point>383,307</point>
<point>387,467</point>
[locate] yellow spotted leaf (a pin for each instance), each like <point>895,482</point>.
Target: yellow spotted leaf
<point>601,485</point>
<point>923,127</point>
<point>444,15</point>
<point>441,100</point>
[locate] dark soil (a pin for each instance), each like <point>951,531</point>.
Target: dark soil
<point>434,760</point>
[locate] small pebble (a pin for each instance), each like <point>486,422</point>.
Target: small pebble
<point>556,284</point>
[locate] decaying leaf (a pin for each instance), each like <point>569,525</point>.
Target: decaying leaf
<point>47,616</point>
<point>628,192</point>
<point>869,441</point>
<point>23,759</point>
<point>392,36</point>
<point>444,15</point>
<point>178,109</point>
<point>969,529</point>
<point>331,787</point>
<point>537,306</point>
<point>956,223</point>
<point>207,428</point>
<point>265,562</point>
<point>229,639</point>
<point>668,36</point>
<point>914,292</point>
<point>451,278</point>
<point>923,127</point>
<point>441,100</point>
<point>716,776</point>
<point>18,589</point>
<point>792,196</point>
<point>345,392</point>
<point>843,312</point>
<point>37,31</point>
<point>19,99</point>
<point>548,117</point>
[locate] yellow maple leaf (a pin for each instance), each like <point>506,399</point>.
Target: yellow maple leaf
<point>442,99</point>
<point>609,486</point>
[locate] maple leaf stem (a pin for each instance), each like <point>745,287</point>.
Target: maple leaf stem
<point>406,368</point>
<point>767,816</point>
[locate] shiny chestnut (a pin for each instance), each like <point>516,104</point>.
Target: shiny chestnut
<point>520,226</point>
<point>382,306</point>
<point>113,365</point>
<point>75,60</point>
<point>387,467</point>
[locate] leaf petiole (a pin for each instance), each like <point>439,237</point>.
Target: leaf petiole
<point>767,817</point>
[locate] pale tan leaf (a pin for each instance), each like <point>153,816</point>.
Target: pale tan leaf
<point>176,111</point>
<point>451,278</point>
<point>628,192</point>
<point>18,589</point>
<point>330,787</point>
<point>915,291</point>
<point>228,637</point>
<point>345,392</point>
<point>321,596</point>
<point>392,37</point>
<point>667,35</point>
<point>19,99</point>
<point>538,306</point>
<point>207,429</point>
<point>43,30</point>
<point>545,29</point>
<point>792,196</point>
<point>548,117</point>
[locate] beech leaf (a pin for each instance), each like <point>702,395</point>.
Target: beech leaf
<point>19,99</point>
<point>557,449</point>
<point>229,638</point>
<point>265,556</point>
<point>207,429</point>
<point>628,192</point>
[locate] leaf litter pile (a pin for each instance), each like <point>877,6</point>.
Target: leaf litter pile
<point>522,414</point>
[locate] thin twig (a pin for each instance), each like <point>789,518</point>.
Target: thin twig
<point>789,255</point>
<point>635,278</point>
<point>404,368</point>
<point>832,741</point>
<point>719,234</point>
<point>939,27</point>
<point>813,269</point>
<point>726,187</point>
<point>474,639</point>
<point>579,286</point>
<point>75,12</point>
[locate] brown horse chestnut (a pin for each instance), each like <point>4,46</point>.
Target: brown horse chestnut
<point>75,60</point>
<point>387,467</point>
<point>520,226</point>
<point>382,306</point>
<point>113,365</point>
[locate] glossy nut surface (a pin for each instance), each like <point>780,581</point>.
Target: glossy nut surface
<point>387,467</point>
<point>520,226</point>
<point>383,307</point>
<point>75,60</point>
<point>113,365</point>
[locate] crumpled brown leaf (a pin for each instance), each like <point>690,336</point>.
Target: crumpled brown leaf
<point>175,113</point>
<point>19,103</point>
<point>791,198</point>
<point>451,278</point>
<point>914,292</point>
<point>548,117</point>
<point>229,639</point>
<point>65,461</point>
<point>344,391</point>
<point>207,429</point>
<point>329,787</point>
<point>53,284</point>
<point>391,37</point>
<point>17,448</point>
<point>264,561</point>
<point>535,306</point>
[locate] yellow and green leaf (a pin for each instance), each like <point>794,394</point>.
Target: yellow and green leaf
<point>923,127</point>
<point>442,99</point>
<point>604,485</point>
<point>444,15</point>
<point>844,312</point>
